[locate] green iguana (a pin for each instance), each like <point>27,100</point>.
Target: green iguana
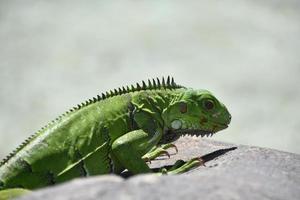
<point>122,129</point>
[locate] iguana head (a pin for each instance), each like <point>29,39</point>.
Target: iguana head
<point>196,112</point>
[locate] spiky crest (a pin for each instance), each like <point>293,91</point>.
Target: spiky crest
<point>156,84</point>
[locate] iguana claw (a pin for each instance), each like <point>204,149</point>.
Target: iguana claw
<point>170,145</point>
<point>146,159</point>
<point>154,154</point>
<point>159,151</point>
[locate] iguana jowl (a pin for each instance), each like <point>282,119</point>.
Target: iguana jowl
<point>115,131</point>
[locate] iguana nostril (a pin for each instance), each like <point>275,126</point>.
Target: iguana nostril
<point>229,118</point>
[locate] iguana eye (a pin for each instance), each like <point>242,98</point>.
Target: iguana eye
<point>208,104</point>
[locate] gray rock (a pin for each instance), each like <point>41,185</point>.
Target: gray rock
<point>244,172</point>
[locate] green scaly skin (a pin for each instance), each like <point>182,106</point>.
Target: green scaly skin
<point>119,130</point>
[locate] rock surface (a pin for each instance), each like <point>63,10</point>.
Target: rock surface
<point>243,172</point>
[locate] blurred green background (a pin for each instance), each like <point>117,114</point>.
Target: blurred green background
<point>55,54</point>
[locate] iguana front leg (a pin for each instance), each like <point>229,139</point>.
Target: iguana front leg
<point>158,151</point>
<point>129,149</point>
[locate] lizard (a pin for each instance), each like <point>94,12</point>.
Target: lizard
<point>117,130</point>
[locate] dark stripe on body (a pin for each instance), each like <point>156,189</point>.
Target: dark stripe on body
<point>111,164</point>
<point>106,135</point>
<point>26,166</point>
<point>81,165</point>
<point>50,178</point>
<point>132,124</point>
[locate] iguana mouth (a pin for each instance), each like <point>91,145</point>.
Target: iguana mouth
<point>194,132</point>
